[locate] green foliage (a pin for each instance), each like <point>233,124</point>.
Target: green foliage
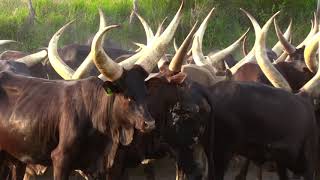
<point>227,24</point>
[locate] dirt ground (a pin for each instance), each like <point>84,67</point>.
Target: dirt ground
<point>165,170</point>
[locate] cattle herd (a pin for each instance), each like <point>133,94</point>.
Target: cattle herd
<point>99,110</point>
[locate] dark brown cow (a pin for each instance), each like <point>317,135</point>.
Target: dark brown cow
<point>74,124</point>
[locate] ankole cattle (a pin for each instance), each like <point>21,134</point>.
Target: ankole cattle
<point>83,120</point>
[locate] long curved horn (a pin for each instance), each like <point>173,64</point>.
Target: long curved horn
<point>197,53</point>
<point>313,31</point>
<point>217,57</point>
<point>153,53</point>
<point>4,42</point>
<point>57,63</point>
<point>85,67</point>
<point>103,21</point>
<point>33,59</point>
<point>244,46</point>
<point>110,69</point>
<point>283,43</point>
<point>310,53</point>
<point>312,87</point>
<point>178,58</point>
<point>146,28</point>
<point>287,46</point>
<point>250,56</point>
<point>266,66</point>
<point>281,58</point>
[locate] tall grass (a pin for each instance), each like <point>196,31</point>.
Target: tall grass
<point>227,24</point>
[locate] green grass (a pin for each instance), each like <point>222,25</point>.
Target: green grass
<point>227,24</point>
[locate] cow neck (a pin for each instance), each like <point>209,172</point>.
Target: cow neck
<point>99,105</point>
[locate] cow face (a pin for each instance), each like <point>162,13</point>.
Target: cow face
<point>180,113</point>
<point>131,94</point>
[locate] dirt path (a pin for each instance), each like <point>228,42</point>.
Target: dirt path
<point>165,170</point>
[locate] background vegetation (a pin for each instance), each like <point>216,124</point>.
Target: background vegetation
<point>227,24</point>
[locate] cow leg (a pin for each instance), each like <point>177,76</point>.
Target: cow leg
<point>243,171</point>
<point>260,172</point>
<point>61,164</point>
<point>19,170</point>
<point>179,173</point>
<point>4,168</point>
<point>282,172</point>
<point>311,156</point>
<point>221,162</point>
<point>149,171</point>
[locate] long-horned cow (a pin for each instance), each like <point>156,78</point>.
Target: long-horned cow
<point>57,122</point>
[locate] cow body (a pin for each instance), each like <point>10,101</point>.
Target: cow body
<point>70,124</point>
<point>263,124</point>
<point>294,71</point>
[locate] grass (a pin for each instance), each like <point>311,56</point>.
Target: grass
<point>227,24</point>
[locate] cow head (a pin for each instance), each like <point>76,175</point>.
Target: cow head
<point>126,79</point>
<point>181,112</point>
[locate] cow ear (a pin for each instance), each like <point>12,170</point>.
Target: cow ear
<point>178,78</point>
<point>126,136</point>
<point>110,88</point>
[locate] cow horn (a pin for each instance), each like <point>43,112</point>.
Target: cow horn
<point>4,42</point>
<point>110,69</point>
<point>312,87</point>
<point>281,58</point>
<point>103,21</point>
<point>313,31</point>
<point>146,28</point>
<point>177,60</point>
<point>244,46</point>
<point>250,56</point>
<point>87,64</point>
<point>175,45</point>
<point>197,53</point>
<point>140,45</point>
<point>57,63</point>
<point>310,53</point>
<point>160,28</point>
<point>288,47</point>
<point>128,63</point>
<point>34,59</point>
<point>153,53</point>
<point>217,57</point>
<point>283,43</point>
<point>266,66</point>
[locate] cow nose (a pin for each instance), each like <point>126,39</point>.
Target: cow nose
<point>149,125</point>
